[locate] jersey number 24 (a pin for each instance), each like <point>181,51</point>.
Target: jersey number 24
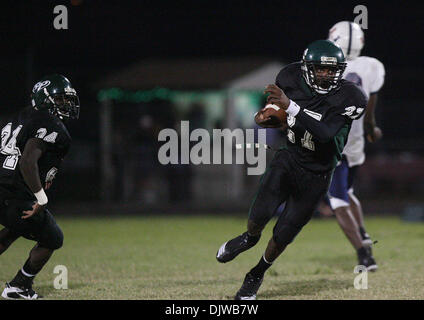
<point>8,146</point>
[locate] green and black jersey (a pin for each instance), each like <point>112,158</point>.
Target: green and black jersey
<point>318,133</point>
<point>15,133</point>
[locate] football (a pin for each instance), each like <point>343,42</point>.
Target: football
<point>277,115</point>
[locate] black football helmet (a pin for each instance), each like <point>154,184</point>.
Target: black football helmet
<point>323,64</point>
<point>56,94</point>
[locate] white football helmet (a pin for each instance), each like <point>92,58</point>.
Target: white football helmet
<point>349,36</point>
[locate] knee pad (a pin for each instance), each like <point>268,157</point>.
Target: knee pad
<point>53,243</point>
<point>285,233</point>
<point>57,242</point>
<point>53,239</point>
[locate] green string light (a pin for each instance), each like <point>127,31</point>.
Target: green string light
<point>120,95</point>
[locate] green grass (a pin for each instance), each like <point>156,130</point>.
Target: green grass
<point>174,258</point>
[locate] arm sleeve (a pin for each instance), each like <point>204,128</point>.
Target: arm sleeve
<point>323,131</point>
<point>350,108</point>
<point>379,73</point>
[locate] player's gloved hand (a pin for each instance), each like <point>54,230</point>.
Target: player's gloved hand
<point>277,96</point>
<point>374,135</point>
<point>36,208</point>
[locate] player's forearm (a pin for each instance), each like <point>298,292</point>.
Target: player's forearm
<point>28,165</point>
<point>369,122</point>
<point>369,118</point>
<point>369,126</point>
<point>29,170</point>
<point>321,131</point>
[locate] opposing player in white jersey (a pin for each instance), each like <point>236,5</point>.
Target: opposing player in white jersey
<point>368,73</point>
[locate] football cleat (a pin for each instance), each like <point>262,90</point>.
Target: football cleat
<point>232,248</point>
<point>11,292</point>
<point>368,261</point>
<point>249,288</point>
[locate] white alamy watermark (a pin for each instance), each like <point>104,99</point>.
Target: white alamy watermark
<point>361,280</point>
<point>60,282</point>
<point>61,20</point>
<point>199,147</point>
<point>362,17</point>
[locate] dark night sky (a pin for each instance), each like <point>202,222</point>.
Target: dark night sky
<point>106,35</point>
<point>113,33</point>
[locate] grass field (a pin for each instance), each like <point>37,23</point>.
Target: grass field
<point>174,258</point>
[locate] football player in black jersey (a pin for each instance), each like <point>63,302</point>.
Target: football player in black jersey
<point>33,145</point>
<point>320,107</point>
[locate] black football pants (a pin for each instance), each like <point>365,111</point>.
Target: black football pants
<point>301,190</point>
<point>41,227</point>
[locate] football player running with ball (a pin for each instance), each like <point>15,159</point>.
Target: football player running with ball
<point>368,73</point>
<point>33,145</point>
<point>321,107</point>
